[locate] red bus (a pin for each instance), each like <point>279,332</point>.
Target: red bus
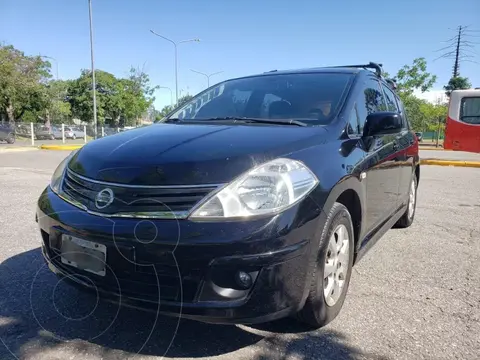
<point>462,130</point>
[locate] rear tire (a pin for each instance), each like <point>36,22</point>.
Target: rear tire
<point>407,218</point>
<point>327,292</point>
<point>10,138</point>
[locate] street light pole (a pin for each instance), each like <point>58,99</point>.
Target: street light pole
<point>93,70</point>
<point>207,75</point>
<point>175,44</point>
<point>171,94</point>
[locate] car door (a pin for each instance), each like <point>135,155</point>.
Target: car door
<point>407,143</point>
<point>381,163</point>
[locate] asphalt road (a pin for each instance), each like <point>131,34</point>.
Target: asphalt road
<point>415,295</point>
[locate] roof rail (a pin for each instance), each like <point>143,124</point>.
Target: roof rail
<point>370,65</point>
<point>392,83</point>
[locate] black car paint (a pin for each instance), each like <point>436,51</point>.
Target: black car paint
<point>278,249</point>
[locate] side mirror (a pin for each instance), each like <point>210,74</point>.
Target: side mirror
<point>382,123</point>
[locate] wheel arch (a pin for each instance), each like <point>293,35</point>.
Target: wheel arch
<point>350,193</point>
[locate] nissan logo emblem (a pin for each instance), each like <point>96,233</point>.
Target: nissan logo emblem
<point>104,198</point>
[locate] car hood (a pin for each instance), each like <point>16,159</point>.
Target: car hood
<point>180,154</point>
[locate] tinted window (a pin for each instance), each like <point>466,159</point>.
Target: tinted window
<point>353,127</point>
<point>390,99</point>
<point>470,110</point>
<point>406,122</point>
<point>313,97</point>
<point>267,100</point>
<point>373,100</point>
<point>369,101</point>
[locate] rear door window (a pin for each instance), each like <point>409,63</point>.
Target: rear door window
<point>470,110</point>
<point>390,99</point>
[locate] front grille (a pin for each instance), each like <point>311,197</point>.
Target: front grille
<point>162,284</point>
<point>164,278</point>
<point>131,199</point>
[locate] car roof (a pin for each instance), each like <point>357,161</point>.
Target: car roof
<point>325,70</point>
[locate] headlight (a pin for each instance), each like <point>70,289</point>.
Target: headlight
<point>57,177</point>
<point>266,189</point>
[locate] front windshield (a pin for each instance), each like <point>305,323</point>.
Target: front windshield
<point>309,97</point>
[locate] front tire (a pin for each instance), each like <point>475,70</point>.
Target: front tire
<point>407,218</point>
<point>331,271</point>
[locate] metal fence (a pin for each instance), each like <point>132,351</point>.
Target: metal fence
<point>29,133</point>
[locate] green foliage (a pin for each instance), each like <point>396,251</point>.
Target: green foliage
<point>58,109</point>
<point>22,82</point>
<point>168,109</point>
<point>423,115</point>
<point>184,99</point>
<point>414,77</point>
<point>457,83</point>
<point>119,101</point>
<point>164,112</point>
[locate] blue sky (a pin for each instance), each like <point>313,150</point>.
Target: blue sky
<point>237,37</point>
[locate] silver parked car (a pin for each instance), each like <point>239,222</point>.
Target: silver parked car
<point>44,133</point>
<point>73,132</point>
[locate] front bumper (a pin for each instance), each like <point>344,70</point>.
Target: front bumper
<point>188,269</point>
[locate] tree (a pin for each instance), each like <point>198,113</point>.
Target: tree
<point>119,101</point>
<point>457,83</point>
<point>184,99</point>
<point>168,108</point>
<point>416,112</point>
<point>410,78</point>
<point>414,77</point>
<point>22,82</point>
<point>58,109</point>
<point>164,112</point>
<point>138,95</point>
<point>108,94</point>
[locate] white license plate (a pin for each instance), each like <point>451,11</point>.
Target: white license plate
<point>83,254</point>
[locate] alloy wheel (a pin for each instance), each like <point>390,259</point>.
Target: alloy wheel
<point>336,265</point>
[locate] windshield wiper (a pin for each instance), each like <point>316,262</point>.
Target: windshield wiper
<point>258,120</point>
<point>172,120</point>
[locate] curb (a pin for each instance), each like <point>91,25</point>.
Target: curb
<point>18,149</point>
<point>461,163</point>
<point>60,147</point>
<point>433,148</point>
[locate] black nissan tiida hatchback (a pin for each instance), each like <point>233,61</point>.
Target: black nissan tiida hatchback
<point>250,202</point>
